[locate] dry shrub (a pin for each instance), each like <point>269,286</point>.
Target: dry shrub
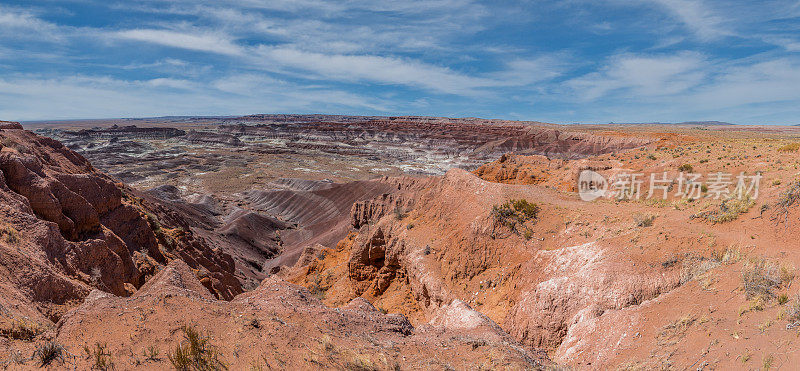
<point>644,220</point>
<point>729,210</point>
<point>515,213</point>
<point>789,198</point>
<point>21,330</point>
<point>793,311</point>
<point>9,234</point>
<point>671,333</point>
<point>760,278</point>
<point>790,147</point>
<point>196,353</point>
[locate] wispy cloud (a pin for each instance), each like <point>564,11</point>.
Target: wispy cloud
<point>698,17</point>
<point>26,25</point>
<point>642,75</point>
<point>205,41</point>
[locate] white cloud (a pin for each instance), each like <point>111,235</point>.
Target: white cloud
<point>202,41</point>
<point>385,70</point>
<point>642,75</point>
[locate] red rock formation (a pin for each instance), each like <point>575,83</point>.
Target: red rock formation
<point>69,228</point>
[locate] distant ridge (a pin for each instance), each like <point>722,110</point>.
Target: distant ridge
<point>685,123</point>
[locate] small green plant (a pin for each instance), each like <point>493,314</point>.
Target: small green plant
<point>196,352</point>
<point>686,168</point>
<point>101,357</point>
<point>767,362</point>
<point>651,157</point>
<point>783,299</point>
<point>151,353</point>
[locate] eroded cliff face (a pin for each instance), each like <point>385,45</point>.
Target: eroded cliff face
<point>445,248</point>
<point>68,228</point>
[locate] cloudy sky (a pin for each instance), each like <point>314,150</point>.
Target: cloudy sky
<point>557,61</point>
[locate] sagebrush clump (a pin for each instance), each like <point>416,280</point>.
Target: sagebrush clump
<point>514,214</point>
<point>729,210</point>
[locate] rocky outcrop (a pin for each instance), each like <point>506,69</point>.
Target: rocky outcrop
<point>374,263</point>
<point>10,125</point>
<point>67,228</point>
<point>366,211</point>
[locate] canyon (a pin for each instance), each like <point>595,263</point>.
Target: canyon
<point>347,242</point>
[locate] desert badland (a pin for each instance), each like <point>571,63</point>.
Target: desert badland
<point>344,242</point>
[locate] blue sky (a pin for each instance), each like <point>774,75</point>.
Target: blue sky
<point>555,61</point>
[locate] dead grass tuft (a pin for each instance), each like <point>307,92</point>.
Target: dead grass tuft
<point>673,332</point>
<point>23,329</point>
<point>644,220</point>
<point>196,352</point>
<point>760,278</point>
<point>730,255</point>
<point>696,267</point>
